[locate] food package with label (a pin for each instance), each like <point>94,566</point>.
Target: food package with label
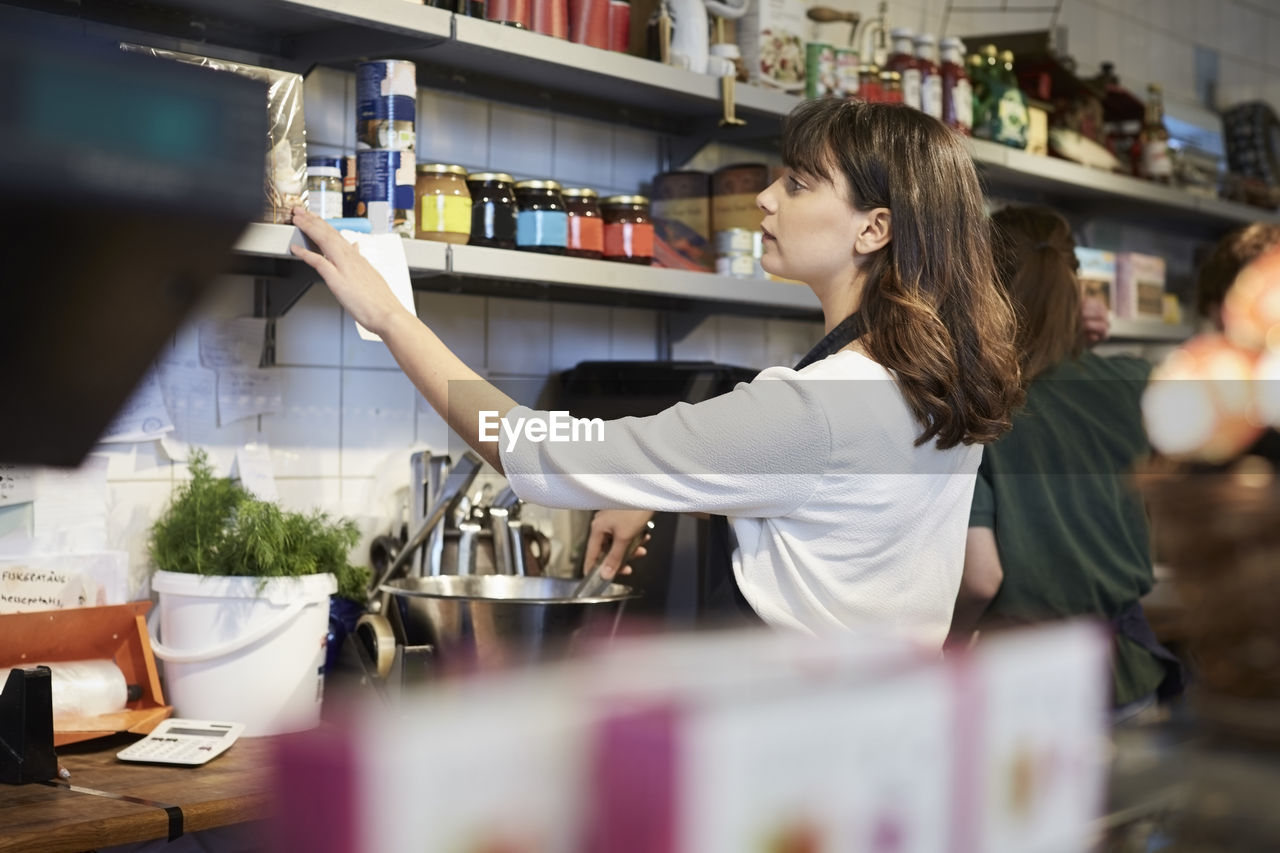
<point>1140,285</point>
<point>1097,274</point>
<point>680,206</point>
<point>1032,710</point>
<point>285,182</point>
<point>772,36</point>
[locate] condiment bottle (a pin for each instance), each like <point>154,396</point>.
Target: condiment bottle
<point>957,91</point>
<point>891,87</point>
<point>903,61</point>
<point>444,203</point>
<point>586,225</point>
<point>324,187</point>
<point>628,230</point>
<point>542,224</point>
<point>493,210</point>
<point>869,83</point>
<point>1155,162</point>
<point>930,77</point>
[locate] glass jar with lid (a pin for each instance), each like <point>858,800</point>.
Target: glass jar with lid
<point>324,187</point>
<point>586,227</point>
<point>444,203</point>
<point>891,87</point>
<point>628,230</point>
<point>542,224</point>
<point>493,210</point>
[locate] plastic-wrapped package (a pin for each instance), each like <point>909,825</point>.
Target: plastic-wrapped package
<point>285,184</point>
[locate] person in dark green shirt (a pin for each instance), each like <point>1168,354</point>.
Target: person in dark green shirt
<point>1056,529</point>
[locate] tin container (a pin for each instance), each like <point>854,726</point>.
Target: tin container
<point>628,230</point>
<point>847,62</point>
<point>589,22</point>
<point>733,196</point>
<point>681,213</point>
<point>586,225</point>
<point>386,182</point>
<point>444,203</point>
<point>511,12</point>
<point>493,210</point>
<point>820,70</point>
<point>551,18</point>
<point>739,265</point>
<point>619,25</point>
<point>542,224</point>
<point>738,241</point>
<point>386,104</point>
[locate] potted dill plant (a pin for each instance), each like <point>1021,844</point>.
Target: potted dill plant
<point>243,589</point>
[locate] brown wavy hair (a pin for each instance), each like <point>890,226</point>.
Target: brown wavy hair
<point>935,315</point>
<point>1231,254</point>
<point>1036,264</point>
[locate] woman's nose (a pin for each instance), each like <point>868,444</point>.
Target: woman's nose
<point>764,201</point>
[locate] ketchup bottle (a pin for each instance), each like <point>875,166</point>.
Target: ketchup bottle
<point>903,60</point>
<point>930,78</point>
<point>957,91</point>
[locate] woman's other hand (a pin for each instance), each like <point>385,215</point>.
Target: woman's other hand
<point>353,280</point>
<point>1095,320</point>
<point>613,529</point>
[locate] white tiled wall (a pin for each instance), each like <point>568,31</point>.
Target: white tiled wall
<point>349,419</point>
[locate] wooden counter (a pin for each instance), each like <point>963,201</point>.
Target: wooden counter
<point>36,818</point>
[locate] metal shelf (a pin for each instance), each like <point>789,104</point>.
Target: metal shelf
<point>529,275</point>
<point>1007,167</point>
<point>1149,331</point>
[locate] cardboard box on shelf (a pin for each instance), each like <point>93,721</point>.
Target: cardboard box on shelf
<point>1140,283</point>
<point>1097,274</point>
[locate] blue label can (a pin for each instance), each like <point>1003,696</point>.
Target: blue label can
<point>386,104</point>
<point>386,184</point>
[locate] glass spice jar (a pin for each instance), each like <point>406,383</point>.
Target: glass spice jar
<point>542,224</point>
<point>493,210</point>
<point>586,227</point>
<point>891,87</point>
<point>444,203</point>
<point>628,230</point>
<point>324,187</point>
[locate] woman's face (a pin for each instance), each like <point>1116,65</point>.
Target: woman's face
<point>809,229</point>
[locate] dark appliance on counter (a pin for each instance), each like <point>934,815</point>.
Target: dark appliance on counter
<point>671,578</point>
<point>126,181</point>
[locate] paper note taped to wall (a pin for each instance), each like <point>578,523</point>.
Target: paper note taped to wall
<point>58,581</point>
<point>17,485</point>
<point>385,253</point>
<point>143,417</point>
<point>246,393</point>
<point>232,343</point>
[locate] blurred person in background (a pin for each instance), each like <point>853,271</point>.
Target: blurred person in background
<point>1056,530</point>
<point>1232,253</point>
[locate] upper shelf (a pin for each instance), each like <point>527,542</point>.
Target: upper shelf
<point>485,58</point>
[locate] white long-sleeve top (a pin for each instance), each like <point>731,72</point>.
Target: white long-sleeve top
<point>840,519</point>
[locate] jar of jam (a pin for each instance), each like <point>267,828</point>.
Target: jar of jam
<point>542,224</point>
<point>444,203</point>
<point>493,210</point>
<point>628,230</point>
<point>586,227</point>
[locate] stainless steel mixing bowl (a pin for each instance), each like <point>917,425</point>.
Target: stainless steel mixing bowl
<point>494,621</point>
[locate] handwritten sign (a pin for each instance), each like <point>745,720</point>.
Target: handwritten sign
<point>143,416</point>
<point>17,485</point>
<point>253,467</point>
<point>57,581</point>
<point>232,343</point>
<point>245,393</point>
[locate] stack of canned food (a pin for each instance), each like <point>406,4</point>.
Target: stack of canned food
<point>386,103</point>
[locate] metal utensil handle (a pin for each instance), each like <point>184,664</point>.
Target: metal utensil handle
<point>516,530</point>
<point>455,485</point>
<point>501,538</point>
<point>594,583</point>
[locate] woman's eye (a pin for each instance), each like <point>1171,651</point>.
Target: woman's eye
<point>794,184</point>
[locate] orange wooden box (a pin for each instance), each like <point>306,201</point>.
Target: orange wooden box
<point>118,632</point>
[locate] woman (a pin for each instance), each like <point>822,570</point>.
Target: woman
<point>1056,530</point>
<point>847,481</point>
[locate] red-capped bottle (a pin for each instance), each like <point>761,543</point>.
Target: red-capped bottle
<point>957,90</point>
<point>903,60</point>
<point>930,75</point>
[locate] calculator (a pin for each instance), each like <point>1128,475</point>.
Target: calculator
<point>178,741</point>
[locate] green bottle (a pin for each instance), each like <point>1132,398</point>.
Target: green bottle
<point>1008,109</point>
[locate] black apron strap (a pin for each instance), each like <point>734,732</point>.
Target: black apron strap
<point>723,599</point>
<point>1132,624</point>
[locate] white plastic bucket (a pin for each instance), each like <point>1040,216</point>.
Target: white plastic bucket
<point>234,650</point>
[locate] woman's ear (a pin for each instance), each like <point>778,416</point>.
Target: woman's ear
<point>874,232</point>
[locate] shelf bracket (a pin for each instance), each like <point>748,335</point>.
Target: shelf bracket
<point>272,297</point>
<point>674,327</point>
